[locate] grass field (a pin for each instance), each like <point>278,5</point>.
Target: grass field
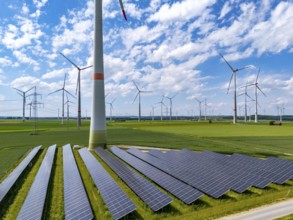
<point>259,140</point>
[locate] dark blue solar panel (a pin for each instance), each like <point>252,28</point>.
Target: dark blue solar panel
<point>10,180</point>
<point>151,195</point>
<point>76,202</point>
<point>200,182</point>
<point>116,200</point>
<point>33,205</point>
<point>179,189</point>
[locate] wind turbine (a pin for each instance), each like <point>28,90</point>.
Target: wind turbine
<point>67,104</point>
<point>245,101</point>
<point>77,88</point>
<point>97,137</point>
<point>234,71</point>
<point>199,104</point>
<point>23,94</point>
<point>111,108</point>
<point>162,103</point>
<point>256,87</point>
<point>138,95</point>
<point>171,103</point>
<point>205,109</point>
<point>63,92</point>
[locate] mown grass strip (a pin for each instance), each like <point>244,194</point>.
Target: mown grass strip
<point>55,201</point>
<point>16,205</point>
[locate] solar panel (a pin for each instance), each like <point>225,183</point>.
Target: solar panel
<point>201,181</point>
<point>10,180</point>
<point>182,191</point>
<point>216,165</point>
<point>76,203</point>
<point>33,205</point>
<point>151,195</point>
<point>116,200</point>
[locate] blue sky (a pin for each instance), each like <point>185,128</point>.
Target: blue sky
<point>168,47</point>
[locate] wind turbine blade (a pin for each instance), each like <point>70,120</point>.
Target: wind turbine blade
<point>257,75</point>
<point>260,90</point>
<point>227,62</point>
<point>249,97</point>
<point>55,91</point>
<point>18,90</point>
<point>86,67</point>
<point>174,96</point>
<point>77,83</point>
<point>135,85</point>
<point>230,82</point>
<point>29,89</point>
<point>135,97</point>
<point>122,9</point>
<point>64,81</point>
<point>69,61</point>
<point>113,100</point>
<point>69,93</point>
<point>147,92</point>
<point>243,68</point>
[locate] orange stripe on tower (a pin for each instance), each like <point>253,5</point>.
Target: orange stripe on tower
<point>98,76</point>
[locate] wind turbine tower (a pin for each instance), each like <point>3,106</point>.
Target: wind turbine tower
<point>97,137</point>
<point>199,105</point>
<point>77,88</point>
<point>234,71</point>
<point>162,104</point>
<point>139,99</point>
<point>63,92</point>
<point>23,94</point>
<point>245,101</point>
<point>67,105</point>
<point>111,108</point>
<point>256,87</point>
<point>171,104</point>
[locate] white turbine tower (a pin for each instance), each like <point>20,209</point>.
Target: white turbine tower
<point>162,104</point>
<point>139,99</point>
<point>234,71</point>
<point>67,105</point>
<point>78,91</point>
<point>97,137</point>
<point>111,108</point>
<point>256,87</point>
<point>245,101</point>
<point>199,105</point>
<point>63,92</point>
<point>171,104</point>
<point>23,94</point>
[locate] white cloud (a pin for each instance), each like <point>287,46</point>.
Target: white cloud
<point>181,11</point>
<point>55,74</point>
<point>5,61</point>
<point>225,10</point>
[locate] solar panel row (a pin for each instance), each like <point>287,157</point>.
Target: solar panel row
<point>76,203</point>
<point>231,177</point>
<point>182,191</point>
<point>151,195</point>
<point>238,172</point>
<point>199,166</point>
<point>201,182</point>
<point>10,180</point>
<point>33,205</point>
<point>116,200</point>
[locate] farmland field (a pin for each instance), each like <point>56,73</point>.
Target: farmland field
<point>259,140</point>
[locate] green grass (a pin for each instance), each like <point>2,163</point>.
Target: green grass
<point>259,140</point>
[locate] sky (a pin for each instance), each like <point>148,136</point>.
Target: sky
<point>168,47</point>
